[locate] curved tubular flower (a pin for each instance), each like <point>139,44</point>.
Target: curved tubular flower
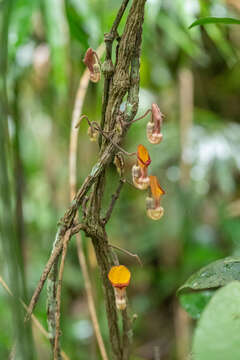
<point>91,60</point>
<point>119,277</point>
<point>154,134</point>
<point>154,210</point>
<point>139,171</point>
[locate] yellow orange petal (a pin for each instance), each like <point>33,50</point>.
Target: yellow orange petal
<point>143,156</point>
<point>156,189</point>
<point>119,276</point>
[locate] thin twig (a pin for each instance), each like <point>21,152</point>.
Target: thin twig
<point>140,118</point>
<point>114,199</point>
<point>95,126</point>
<point>58,294</point>
<point>35,321</point>
<point>127,252</point>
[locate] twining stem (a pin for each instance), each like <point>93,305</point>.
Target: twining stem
<point>124,81</point>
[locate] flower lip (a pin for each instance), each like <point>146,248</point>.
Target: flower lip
<point>144,159</point>
<point>156,189</point>
<point>156,113</point>
<point>89,59</point>
<point>119,276</point>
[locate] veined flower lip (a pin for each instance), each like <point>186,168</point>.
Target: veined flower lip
<point>142,153</point>
<point>146,163</point>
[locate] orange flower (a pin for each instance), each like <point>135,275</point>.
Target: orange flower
<point>156,189</point>
<point>143,157</point>
<point>119,277</point>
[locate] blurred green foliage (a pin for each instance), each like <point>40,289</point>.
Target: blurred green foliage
<point>47,42</point>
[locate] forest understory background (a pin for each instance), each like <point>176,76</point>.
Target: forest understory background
<point>194,77</point>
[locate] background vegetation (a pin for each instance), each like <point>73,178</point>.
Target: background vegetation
<point>194,76</point>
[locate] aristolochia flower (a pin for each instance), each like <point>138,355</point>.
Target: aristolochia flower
<point>154,210</point>
<point>92,62</point>
<point>154,134</point>
<point>139,171</point>
<point>119,277</point>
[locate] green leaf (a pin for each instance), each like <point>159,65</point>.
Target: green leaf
<point>57,34</point>
<point>76,25</point>
<point>217,333</point>
<point>214,275</point>
<point>178,35</point>
<point>194,303</point>
<point>21,24</point>
<point>215,20</point>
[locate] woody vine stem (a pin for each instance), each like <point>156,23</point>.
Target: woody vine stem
<point>120,79</point>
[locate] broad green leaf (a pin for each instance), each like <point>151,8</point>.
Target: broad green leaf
<point>214,275</point>
<point>217,334</point>
<point>76,25</point>
<point>194,303</point>
<point>215,20</point>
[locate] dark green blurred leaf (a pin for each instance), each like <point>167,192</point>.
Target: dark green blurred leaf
<point>217,334</point>
<point>21,24</point>
<point>194,303</point>
<point>214,275</point>
<point>215,20</point>
<point>178,35</point>
<point>75,22</point>
<point>57,34</point>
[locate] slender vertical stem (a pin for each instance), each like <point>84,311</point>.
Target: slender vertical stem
<point>8,225</point>
<point>56,352</point>
<point>82,89</point>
